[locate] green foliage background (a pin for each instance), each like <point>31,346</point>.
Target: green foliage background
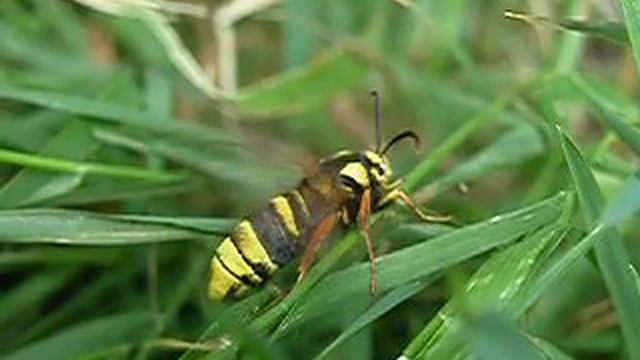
<point>126,154</point>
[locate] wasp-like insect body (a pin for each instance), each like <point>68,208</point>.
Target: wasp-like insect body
<point>346,188</point>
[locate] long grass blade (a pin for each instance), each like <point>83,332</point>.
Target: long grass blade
<point>113,113</point>
<point>612,255</point>
<point>51,226</point>
<point>377,309</point>
<point>493,337</point>
<point>82,168</point>
<point>422,259</point>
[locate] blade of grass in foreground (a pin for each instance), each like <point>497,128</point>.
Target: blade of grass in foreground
<point>555,271</point>
<point>38,226</point>
<point>493,337</point>
<point>535,215</point>
<point>491,287</point>
<point>612,255</point>
<point>377,309</point>
<point>422,259</point>
<point>89,338</point>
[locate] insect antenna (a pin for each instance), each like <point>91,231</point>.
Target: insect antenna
<point>401,136</point>
<point>376,100</point>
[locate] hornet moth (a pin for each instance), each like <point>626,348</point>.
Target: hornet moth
<point>345,189</point>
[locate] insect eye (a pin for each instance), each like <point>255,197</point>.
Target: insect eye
<point>379,173</point>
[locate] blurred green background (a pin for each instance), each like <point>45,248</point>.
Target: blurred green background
<point>134,133</point>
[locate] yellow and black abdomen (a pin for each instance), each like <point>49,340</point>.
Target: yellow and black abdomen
<point>259,245</point>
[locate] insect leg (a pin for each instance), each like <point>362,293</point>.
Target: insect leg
<point>363,220</point>
<point>408,201</point>
<point>320,233</point>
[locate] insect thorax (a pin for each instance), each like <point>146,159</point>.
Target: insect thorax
<point>356,172</point>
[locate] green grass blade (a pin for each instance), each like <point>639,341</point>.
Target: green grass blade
<point>219,226</point>
<point>569,51</point>
<point>111,112</point>
<point>59,255</point>
<point>425,168</point>
<point>377,309</point>
<point>636,276</point>
<point>611,254</point>
<point>89,338</point>
<point>591,198</point>
<point>228,318</point>
<point>86,168</point>
<point>494,337</point>
<point>302,88</point>
<point>215,164</point>
<point>607,30</point>
<point>29,186</point>
<point>52,226</point>
<point>551,351</point>
<point>422,259</point>
<point>631,10</point>
<point>516,146</point>
<point>607,115</point>
<point>119,191</point>
<point>560,267</point>
<point>189,280</point>
<point>177,52</point>
<point>15,46</point>
<point>489,288</point>
<point>67,24</point>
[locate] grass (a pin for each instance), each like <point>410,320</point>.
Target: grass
<point>124,161</point>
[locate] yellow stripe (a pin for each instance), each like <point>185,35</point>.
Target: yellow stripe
<point>223,281</point>
<point>233,260</point>
<point>345,215</point>
<point>357,172</point>
<point>302,203</point>
<point>281,205</point>
<point>374,158</point>
<point>247,241</point>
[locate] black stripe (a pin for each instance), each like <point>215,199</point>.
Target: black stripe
<point>280,245</point>
<point>259,269</point>
<point>318,206</point>
<point>351,184</point>
<point>243,279</point>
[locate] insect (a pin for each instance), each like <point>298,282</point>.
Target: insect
<point>345,189</point>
